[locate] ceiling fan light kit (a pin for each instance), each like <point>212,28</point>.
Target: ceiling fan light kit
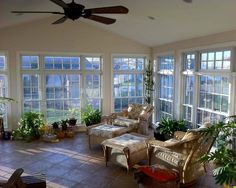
<point>75,11</point>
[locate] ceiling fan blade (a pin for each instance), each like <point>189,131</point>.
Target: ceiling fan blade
<point>101,19</point>
<point>187,1</point>
<point>109,10</point>
<point>61,20</point>
<point>60,3</point>
<point>23,12</point>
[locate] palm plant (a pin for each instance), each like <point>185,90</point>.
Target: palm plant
<point>224,156</point>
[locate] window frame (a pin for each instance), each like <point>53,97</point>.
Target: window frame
<point>197,73</point>
<point>5,72</point>
<point>127,72</point>
<point>43,72</point>
<point>164,72</point>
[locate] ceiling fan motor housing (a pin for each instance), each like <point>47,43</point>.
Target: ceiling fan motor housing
<point>74,10</point>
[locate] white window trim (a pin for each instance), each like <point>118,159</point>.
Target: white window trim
<point>145,56</point>
<point>43,72</point>
<point>6,72</point>
<point>157,73</point>
<point>197,72</point>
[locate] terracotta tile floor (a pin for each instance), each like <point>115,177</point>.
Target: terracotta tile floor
<point>70,163</point>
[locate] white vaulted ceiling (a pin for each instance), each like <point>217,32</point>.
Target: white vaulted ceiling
<point>171,20</point>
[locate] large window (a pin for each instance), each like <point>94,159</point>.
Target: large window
<point>214,88</point>
<point>211,81</point>
<point>128,83</point>
<point>58,83</point>
<point>3,88</point>
<point>166,86</point>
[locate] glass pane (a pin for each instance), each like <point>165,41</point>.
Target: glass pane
<point>211,56</point>
<point>203,65</point>
<point>217,102</point>
<point>217,85</point>
<point>117,105</point>
<point>203,83</point>
<point>188,90</point>
<point>224,107</point>
<point>2,62</point>
<point>29,62</point>
<point>58,63</point>
<point>124,103</point>
<point>226,64</point>
<point>48,62</point>
<point>210,84</point>
<point>202,100</point>
<point>227,55</point>
<point>140,63</point>
<point>75,63</point>
<point>203,56</point>
<point>218,65</point>
<point>210,65</point>
<point>219,55</point>
<point>166,62</point>
<point>225,86</point>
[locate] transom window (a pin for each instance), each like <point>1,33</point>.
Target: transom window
<point>61,63</point>
<point>128,82</point>
<point>215,60</point>
<point>56,87</point>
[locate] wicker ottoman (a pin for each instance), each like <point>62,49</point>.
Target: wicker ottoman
<point>126,150</point>
<point>100,132</point>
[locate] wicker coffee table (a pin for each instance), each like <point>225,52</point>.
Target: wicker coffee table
<point>126,150</point>
<point>100,132</point>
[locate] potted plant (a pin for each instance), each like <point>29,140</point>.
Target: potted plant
<point>224,156</point>
<point>3,101</point>
<point>55,125</point>
<point>166,127</point>
<point>29,126</point>
<point>64,125</point>
<point>91,116</point>
<point>73,114</point>
<point>148,83</point>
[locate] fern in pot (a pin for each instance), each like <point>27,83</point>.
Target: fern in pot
<point>29,126</point>
<point>166,127</point>
<point>91,116</point>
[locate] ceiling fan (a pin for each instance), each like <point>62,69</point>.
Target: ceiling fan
<point>75,11</point>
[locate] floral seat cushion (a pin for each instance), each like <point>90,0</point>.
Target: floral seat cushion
<point>108,131</point>
<point>125,122</point>
<point>137,110</point>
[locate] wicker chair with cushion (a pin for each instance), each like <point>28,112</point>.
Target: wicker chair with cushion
<point>14,181</point>
<point>182,153</point>
<point>135,116</point>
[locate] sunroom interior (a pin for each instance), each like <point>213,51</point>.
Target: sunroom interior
<point>52,68</point>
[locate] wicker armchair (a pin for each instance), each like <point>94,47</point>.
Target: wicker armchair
<point>136,116</point>
<point>182,153</point>
<point>14,181</point>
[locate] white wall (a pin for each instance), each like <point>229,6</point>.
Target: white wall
<point>70,37</point>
